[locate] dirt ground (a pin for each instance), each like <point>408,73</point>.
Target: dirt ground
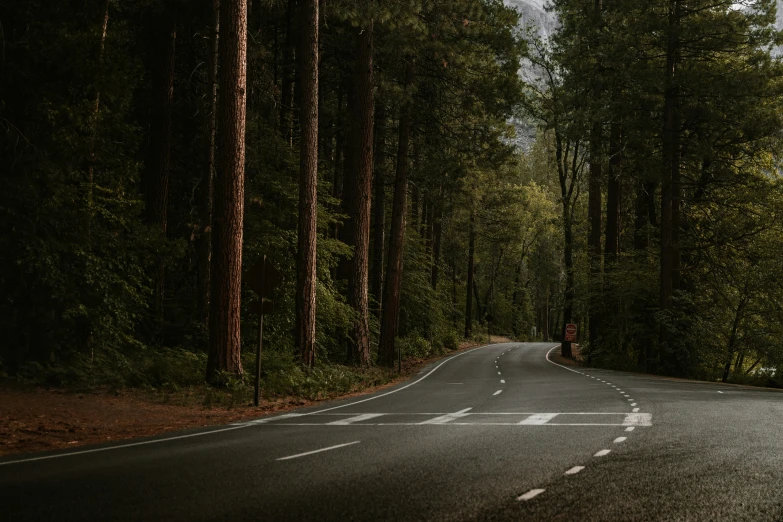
<point>576,354</point>
<point>37,419</point>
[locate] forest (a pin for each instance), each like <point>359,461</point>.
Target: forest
<point>153,151</point>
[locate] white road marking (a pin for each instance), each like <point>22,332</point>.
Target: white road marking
<point>530,494</point>
<point>444,419</point>
<point>357,418</point>
<point>602,453</point>
<point>538,419</point>
<point>498,373</point>
<point>633,404</point>
<point>630,400</point>
<point>636,410</point>
<point>396,389</point>
<point>618,440</point>
<point>720,392</point>
<point>625,394</point>
<point>574,470</point>
<point>502,381</point>
<point>456,383</point>
<point>96,450</point>
<point>630,428</point>
<point>318,450</point>
<point>498,392</point>
<point>638,419</point>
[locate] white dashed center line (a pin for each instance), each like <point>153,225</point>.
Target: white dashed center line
<point>574,470</point>
<point>636,410</point>
<point>530,494</point>
<point>502,381</point>
<point>618,440</point>
<point>630,428</point>
<point>318,450</point>
<point>498,392</point>
<point>602,453</point>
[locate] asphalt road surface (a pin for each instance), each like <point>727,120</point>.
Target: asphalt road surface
<point>495,433</point>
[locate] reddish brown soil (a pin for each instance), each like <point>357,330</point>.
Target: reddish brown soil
<point>36,419</point>
<point>575,360</point>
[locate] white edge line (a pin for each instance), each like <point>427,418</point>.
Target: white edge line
<point>319,450</point>
<point>394,390</point>
<point>132,444</point>
<point>235,427</point>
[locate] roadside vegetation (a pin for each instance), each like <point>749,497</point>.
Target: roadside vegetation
<point>153,152</point>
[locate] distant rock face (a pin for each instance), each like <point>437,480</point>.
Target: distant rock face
<point>534,14</point>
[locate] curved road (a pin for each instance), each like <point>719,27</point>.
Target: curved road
<point>496,433</point>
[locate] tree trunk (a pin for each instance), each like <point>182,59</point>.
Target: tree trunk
<point>204,244</point>
<point>391,288</point>
<point>613,195</point>
<point>104,24</point>
<point>362,110</point>
<point>308,180</point>
<point>671,167</point>
<point>594,196</point>
<point>471,276</point>
<point>229,193</point>
<point>644,196</point>
<point>288,66</point>
<point>437,232</point>
<point>158,164</point>
<point>379,207</point>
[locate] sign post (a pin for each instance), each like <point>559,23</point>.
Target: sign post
<point>264,277</point>
<point>570,332</point>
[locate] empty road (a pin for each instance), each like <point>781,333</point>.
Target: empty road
<point>495,433</point>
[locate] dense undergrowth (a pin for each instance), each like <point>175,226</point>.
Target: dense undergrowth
<point>170,372</point>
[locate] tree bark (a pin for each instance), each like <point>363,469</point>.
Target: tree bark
<point>471,276</point>
<point>287,72</point>
<point>437,232</point>
<point>204,243</point>
<point>104,24</point>
<point>670,187</point>
<point>594,196</point>
<point>362,112</point>
<point>229,194</point>
<point>158,163</point>
<point>613,195</point>
<point>391,288</point>
<point>379,207</point>
<point>308,181</point>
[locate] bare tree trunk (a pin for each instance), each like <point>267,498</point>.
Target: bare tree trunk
<point>391,288</point>
<point>362,112</point>
<point>613,195</point>
<point>437,232</point>
<point>471,275</point>
<point>229,193</point>
<point>204,245</point>
<point>104,24</point>
<point>594,196</point>
<point>158,164</point>
<point>308,181</point>
<point>379,207</point>
<point>287,70</point>
<point>671,159</point>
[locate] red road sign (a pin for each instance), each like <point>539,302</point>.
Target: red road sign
<point>570,333</point>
